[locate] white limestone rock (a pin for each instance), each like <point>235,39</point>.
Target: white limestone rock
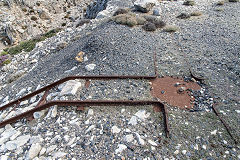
<point>70,88</point>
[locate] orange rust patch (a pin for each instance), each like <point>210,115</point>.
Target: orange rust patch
<point>87,83</point>
<point>166,90</point>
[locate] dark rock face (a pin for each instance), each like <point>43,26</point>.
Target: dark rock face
<point>95,8</point>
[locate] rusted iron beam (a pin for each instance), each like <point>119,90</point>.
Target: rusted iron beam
<point>224,123</point>
<point>90,103</point>
<point>50,86</point>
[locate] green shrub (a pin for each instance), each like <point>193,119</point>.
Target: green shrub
<point>126,19</point>
<point>140,20</point>
<point>171,28</point>
<point>156,21</point>
<point>3,53</point>
<point>183,16</point>
<point>189,3</point>
<point>196,13</point>
<point>6,62</point>
<point>131,21</point>
<point>29,45</point>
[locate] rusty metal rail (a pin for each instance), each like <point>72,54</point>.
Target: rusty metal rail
<point>224,123</point>
<point>91,103</point>
<point>50,86</point>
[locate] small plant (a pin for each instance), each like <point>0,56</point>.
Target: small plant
<point>29,45</point>
<point>189,3</point>
<point>121,11</point>
<point>156,21</point>
<point>171,29</point>
<point>24,9</point>
<point>220,3</point>
<point>126,19</point>
<point>4,59</point>
<point>196,13</point>
<point>183,16</point>
<point>149,27</point>
<point>6,62</point>
<point>140,20</point>
<point>34,18</point>
<point>219,9</point>
<point>3,53</point>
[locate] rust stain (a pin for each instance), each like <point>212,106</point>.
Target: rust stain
<point>174,91</point>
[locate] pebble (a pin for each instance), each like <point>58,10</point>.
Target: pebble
<point>139,139</point>
<point>176,152</point>
<point>20,93</point>
<point>15,135</point>
<point>156,12</point>
<point>58,155</point>
<point>214,132</point>
<point>90,112</point>
<point>128,138</point>
<point>204,147</point>
<point>11,145</point>
<point>51,148</point>
<point>121,147</point>
<point>184,152</point>
<point>152,142</point>
<point>115,129</point>
<point>90,128</point>
<point>54,112</point>
<point>142,114</point>
<point>133,120</point>
<point>34,150</point>
<point>90,67</point>
<point>71,141</point>
<point>43,150</point>
<point>70,88</point>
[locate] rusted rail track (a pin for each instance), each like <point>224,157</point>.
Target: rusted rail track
<point>43,104</point>
<point>91,103</point>
<point>224,123</point>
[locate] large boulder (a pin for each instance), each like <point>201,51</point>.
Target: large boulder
<point>145,5</point>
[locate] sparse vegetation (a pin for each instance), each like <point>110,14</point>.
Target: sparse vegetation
<point>149,27</point>
<point>29,45</point>
<point>24,9</point>
<point>140,20</point>
<point>3,53</point>
<point>126,19</point>
<point>183,16</point>
<point>4,59</point>
<point>121,11</point>
<point>156,21</point>
<point>171,28</point>
<point>196,13</point>
<point>220,3</point>
<point>189,3</point>
<point>219,9</point>
<point>34,18</point>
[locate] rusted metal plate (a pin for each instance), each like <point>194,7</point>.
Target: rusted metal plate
<point>174,91</point>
